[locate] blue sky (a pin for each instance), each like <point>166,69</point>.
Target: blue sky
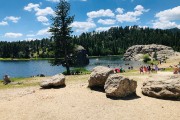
<point>30,19</point>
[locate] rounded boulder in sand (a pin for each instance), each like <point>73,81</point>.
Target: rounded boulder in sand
<point>119,86</point>
<point>99,76</point>
<point>55,81</point>
<point>167,89</point>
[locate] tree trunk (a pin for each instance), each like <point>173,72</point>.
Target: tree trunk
<point>68,70</point>
<point>67,62</point>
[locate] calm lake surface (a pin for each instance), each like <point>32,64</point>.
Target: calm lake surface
<point>33,68</point>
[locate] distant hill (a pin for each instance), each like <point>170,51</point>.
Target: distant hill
<point>115,41</point>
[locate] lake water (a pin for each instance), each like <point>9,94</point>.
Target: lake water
<point>33,68</point>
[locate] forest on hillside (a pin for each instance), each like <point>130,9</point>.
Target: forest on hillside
<point>115,41</point>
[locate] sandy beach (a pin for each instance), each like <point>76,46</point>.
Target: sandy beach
<point>77,102</point>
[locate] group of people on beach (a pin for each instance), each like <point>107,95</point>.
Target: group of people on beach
<point>148,69</point>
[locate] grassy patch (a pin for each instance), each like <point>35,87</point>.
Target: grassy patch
<point>154,62</point>
<point>24,59</point>
<point>78,71</point>
<point>42,58</point>
<point>20,82</point>
<point>75,78</point>
<point>169,69</point>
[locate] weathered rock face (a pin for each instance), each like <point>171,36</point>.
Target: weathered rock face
<point>119,86</point>
<point>167,89</point>
<point>99,76</point>
<point>81,56</point>
<point>136,52</point>
<point>55,81</point>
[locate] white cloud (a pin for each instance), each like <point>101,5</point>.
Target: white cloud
<point>100,13</point>
<point>53,0</point>
<point>165,24</point>
<point>40,13</point>
<point>44,32</point>
<point>42,19</point>
<point>130,16</point>
<point>83,26</point>
<point>140,8</point>
<point>45,12</point>
<point>31,7</point>
<point>3,23</point>
<point>12,18</point>
<point>166,19</point>
<point>107,21</point>
<point>31,39</point>
<point>120,10</point>
<point>13,35</point>
<point>99,29</point>
<point>170,14</point>
<point>30,35</point>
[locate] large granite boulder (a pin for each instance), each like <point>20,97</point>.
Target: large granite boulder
<point>119,86</point>
<point>55,81</point>
<point>99,76</point>
<point>169,88</point>
<point>136,52</point>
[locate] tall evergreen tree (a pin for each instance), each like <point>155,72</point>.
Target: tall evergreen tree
<point>61,31</point>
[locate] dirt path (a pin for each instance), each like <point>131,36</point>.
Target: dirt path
<point>77,102</point>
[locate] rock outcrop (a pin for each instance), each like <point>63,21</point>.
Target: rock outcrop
<point>55,81</point>
<point>99,76</point>
<point>81,56</point>
<point>119,86</point>
<point>136,52</point>
<point>169,88</point>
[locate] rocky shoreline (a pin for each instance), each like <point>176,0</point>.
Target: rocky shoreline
<point>136,52</point>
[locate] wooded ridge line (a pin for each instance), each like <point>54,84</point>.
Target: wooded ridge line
<point>115,41</point>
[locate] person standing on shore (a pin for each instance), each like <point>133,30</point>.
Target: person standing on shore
<point>156,68</point>
<point>141,69</point>
<point>149,68</point>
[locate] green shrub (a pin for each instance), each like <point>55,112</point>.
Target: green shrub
<point>146,58</point>
<point>154,62</point>
<point>76,71</point>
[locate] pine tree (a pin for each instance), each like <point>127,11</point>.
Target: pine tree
<point>61,31</point>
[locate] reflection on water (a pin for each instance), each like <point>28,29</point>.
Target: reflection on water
<point>33,68</point>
